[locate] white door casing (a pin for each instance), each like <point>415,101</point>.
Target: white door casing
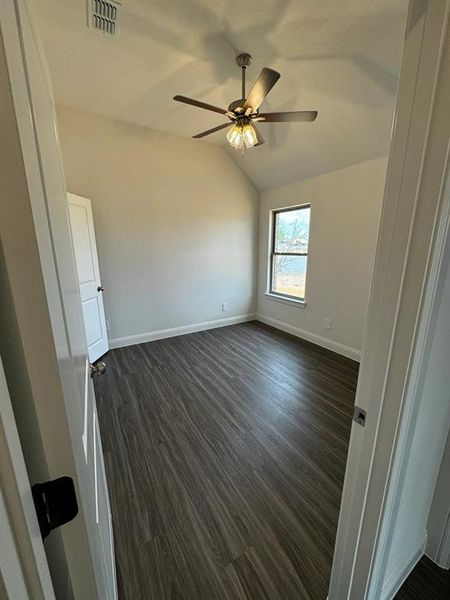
<point>67,418</point>
<point>91,291</point>
<point>24,570</point>
<point>411,216</point>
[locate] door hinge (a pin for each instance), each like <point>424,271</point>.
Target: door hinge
<point>55,502</point>
<point>359,416</point>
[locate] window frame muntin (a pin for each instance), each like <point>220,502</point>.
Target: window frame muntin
<point>272,253</point>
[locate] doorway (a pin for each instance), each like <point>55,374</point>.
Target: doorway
<point>69,540</point>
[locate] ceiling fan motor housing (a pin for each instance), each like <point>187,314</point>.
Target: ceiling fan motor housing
<point>237,104</point>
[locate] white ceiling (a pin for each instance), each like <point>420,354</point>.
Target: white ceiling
<point>340,57</point>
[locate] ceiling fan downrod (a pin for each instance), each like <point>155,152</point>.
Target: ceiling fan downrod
<point>243,61</point>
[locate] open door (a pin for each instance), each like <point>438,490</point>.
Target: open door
<point>67,414</point>
<point>91,289</point>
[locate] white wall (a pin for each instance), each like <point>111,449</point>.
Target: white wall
<point>176,231</point>
<point>345,213</point>
<point>175,221</point>
<point>426,445</point>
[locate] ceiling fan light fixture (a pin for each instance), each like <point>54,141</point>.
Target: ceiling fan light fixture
<point>249,135</point>
<point>241,135</point>
<point>235,137</point>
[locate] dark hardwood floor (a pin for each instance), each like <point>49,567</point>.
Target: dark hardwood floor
<point>426,582</point>
<point>225,454</point>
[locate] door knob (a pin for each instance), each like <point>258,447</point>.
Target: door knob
<point>100,288</point>
<point>97,369</point>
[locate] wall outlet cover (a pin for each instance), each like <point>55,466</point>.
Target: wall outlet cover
<point>225,307</point>
<point>327,323</point>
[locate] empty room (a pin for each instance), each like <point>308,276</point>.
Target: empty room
<point>206,262</point>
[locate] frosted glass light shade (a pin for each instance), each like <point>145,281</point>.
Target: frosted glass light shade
<point>235,137</point>
<point>249,135</point>
<point>240,135</point>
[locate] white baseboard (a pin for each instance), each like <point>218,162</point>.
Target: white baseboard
<point>141,338</point>
<point>402,570</point>
<point>150,336</point>
<point>312,337</point>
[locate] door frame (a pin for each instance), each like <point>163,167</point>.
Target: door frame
<point>402,262</point>
<point>24,571</point>
<point>411,230</point>
<point>40,292</point>
<point>379,586</point>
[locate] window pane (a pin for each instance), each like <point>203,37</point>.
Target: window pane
<point>289,274</point>
<point>292,230</point>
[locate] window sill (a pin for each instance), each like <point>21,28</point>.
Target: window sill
<point>284,300</point>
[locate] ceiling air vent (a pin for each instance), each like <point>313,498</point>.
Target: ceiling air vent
<point>102,14</point>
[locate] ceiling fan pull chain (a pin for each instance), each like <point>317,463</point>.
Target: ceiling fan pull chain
<point>243,80</point>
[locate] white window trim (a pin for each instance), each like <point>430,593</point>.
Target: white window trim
<point>285,299</point>
<point>299,303</point>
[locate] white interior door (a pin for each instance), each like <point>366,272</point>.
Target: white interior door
<point>68,418</point>
<point>91,290</point>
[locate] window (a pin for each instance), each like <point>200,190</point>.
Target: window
<point>289,251</point>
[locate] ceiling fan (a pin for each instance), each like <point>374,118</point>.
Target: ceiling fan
<point>243,114</point>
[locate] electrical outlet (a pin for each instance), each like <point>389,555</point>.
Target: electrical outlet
<point>225,307</point>
<point>107,324</point>
<point>327,323</point>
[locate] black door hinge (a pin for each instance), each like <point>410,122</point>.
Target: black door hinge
<point>359,416</point>
<point>55,502</point>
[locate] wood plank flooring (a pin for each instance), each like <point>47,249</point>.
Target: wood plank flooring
<point>426,582</point>
<point>225,453</point>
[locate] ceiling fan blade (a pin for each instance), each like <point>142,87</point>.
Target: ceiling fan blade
<point>213,130</point>
<point>259,137</point>
<point>262,86</point>
<point>288,117</point>
<point>199,104</point>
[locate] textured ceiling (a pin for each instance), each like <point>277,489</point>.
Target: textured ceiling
<point>340,57</point>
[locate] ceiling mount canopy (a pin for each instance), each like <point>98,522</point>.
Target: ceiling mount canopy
<point>243,114</point>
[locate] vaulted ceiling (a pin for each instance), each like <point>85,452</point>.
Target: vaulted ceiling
<point>340,57</point>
